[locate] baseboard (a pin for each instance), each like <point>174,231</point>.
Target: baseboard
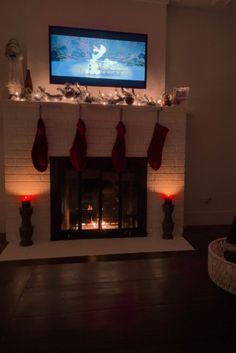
<point>209,218</point>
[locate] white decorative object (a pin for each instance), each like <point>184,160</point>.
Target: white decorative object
<point>15,77</point>
<point>180,95</point>
<point>221,271</point>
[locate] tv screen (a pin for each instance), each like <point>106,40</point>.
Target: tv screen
<point>97,58</point>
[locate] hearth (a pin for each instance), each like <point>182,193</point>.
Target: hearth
<point>98,202</point>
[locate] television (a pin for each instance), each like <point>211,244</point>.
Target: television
<point>97,58</point>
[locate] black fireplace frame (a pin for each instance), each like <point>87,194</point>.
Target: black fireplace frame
<point>58,166</point>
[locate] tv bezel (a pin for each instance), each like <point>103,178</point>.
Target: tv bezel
<point>96,33</point>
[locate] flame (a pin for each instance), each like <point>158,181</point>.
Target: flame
<point>26,198</point>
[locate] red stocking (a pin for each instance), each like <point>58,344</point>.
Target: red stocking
<point>79,147</point>
<point>155,148</point>
<point>118,151</point>
<point>39,153</point>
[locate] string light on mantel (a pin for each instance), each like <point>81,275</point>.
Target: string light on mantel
<point>74,93</point>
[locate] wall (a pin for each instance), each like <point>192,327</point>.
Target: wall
<point>28,20</point>
<point>12,15</point>
<point>60,119</point>
<point>129,16</point>
<point>2,181</point>
<point>201,53</point>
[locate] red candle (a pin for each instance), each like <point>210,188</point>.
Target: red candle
<point>168,196</point>
<point>26,201</point>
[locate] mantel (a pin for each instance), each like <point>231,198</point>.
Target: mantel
<point>181,108</point>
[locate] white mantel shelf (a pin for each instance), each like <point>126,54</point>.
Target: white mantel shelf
<point>181,108</point>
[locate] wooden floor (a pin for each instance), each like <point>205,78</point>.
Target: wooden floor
<point>165,304</point>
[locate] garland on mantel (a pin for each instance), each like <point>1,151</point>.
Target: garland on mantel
<point>74,93</point>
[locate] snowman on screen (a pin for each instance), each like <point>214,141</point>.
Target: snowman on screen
<point>98,52</point>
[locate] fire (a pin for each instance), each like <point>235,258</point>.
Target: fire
<point>104,225</point>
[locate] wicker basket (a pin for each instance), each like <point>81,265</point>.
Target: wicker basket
<point>221,271</point>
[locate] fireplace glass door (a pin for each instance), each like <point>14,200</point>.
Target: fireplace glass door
<point>98,202</point>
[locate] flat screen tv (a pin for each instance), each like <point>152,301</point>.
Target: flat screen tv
<point>97,58</point>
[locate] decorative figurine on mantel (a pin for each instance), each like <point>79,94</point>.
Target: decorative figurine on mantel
<point>230,244</point>
<point>129,95</point>
<point>15,77</point>
<point>165,101</point>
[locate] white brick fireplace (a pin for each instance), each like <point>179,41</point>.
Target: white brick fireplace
<point>20,121</point>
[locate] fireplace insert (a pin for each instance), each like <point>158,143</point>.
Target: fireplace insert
<point>98,202</point>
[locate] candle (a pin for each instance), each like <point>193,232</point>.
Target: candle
<point>168,197</point>
<point>26,201</point>
<point>168,224</point>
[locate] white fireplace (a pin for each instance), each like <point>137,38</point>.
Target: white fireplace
<point>20,122</point>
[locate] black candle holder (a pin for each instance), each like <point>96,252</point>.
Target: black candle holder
<point>168,224</point>
<point>26,228</point>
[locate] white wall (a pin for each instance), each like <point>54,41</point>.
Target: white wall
<point>201,53</point>
<point>28,20</point>
<point>12,15</point>
<point>2,180</point>
<point>129,16</point>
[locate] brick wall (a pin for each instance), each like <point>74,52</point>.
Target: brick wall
<point>20,120</point>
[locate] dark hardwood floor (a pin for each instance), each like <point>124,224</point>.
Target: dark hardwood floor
<point>162,304</point>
